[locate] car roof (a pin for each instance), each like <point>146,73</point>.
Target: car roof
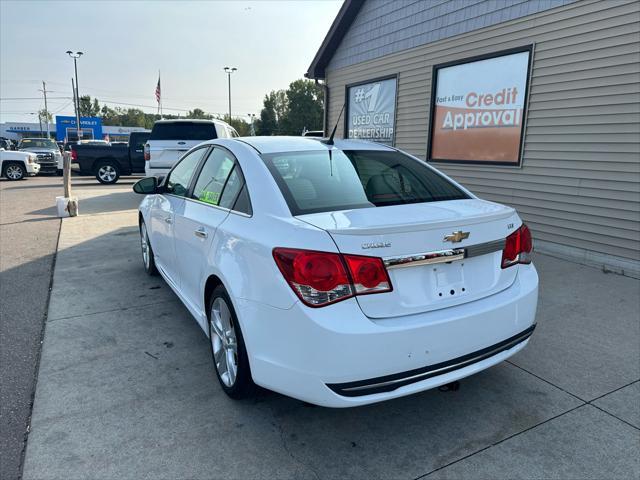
<point>301,144</point>
<point>191,120</point>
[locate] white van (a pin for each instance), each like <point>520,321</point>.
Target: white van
<point>170,139</point>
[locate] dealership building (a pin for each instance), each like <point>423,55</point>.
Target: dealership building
<point>65,128</point>
<point>530,103</point>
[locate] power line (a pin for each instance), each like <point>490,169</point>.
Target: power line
<point>32,98</point>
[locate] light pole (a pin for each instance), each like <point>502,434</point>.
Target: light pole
<point>229,71</point>
<point>252,117</point>
<point>75,56</point>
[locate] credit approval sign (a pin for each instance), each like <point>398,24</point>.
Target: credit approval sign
<point>371,110</point>
<point>478,109</point>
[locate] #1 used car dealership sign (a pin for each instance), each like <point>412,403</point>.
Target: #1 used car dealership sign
<point>371,110</point>
<point>478,108</point>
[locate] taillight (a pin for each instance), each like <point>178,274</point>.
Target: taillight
<point>322,278</point>
<point>74,155</point>
<point>518,247</point>
<point>368,274</point>
<point>147,152</point>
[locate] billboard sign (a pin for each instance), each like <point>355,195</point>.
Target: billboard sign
<point>478,109</point>
<point>90,127</point>
<point>371,110</point>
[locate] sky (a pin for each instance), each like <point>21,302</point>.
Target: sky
<point>125,44</point>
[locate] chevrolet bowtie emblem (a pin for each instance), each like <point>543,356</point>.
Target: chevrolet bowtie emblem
<point>456,237</point>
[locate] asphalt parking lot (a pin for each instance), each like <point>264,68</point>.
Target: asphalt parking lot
<point>126,389</point>
<point>28,237</point>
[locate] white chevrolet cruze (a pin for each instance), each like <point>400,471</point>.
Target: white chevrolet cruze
<point>340,274</point>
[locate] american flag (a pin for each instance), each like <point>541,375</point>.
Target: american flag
<point>158,90</point>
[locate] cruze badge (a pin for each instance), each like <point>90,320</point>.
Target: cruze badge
<point>456,237</point>
<point>376,245</point>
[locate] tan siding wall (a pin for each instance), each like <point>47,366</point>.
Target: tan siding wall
<point>579,184</point>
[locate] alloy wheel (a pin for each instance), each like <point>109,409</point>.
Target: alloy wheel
<point>107,173</point>
<point>144,241</point>
<point>14,172</point>
<point>224,342</point>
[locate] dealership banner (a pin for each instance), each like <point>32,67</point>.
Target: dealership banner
<point>371,111</point>
<point>478,109</point>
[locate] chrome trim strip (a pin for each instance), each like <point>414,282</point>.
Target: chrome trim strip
<point>444,256</point>
<point>441,256</point>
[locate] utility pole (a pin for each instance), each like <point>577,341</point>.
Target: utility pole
<point>229,71</point>
<point>75,57</point>
<point>40,122</point>
<point>76,105</point>
<point>46,110</point>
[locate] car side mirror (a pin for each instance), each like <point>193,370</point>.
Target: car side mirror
<point>146,186</point>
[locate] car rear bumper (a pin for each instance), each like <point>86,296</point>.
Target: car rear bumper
<point>337,357</point>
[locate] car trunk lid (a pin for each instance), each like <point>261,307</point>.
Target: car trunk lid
<point>427,272</point>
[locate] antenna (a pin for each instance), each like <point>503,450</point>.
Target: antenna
<point>329,141</point>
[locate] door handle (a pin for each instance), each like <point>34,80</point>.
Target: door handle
<point>168,220</point>
<point>201,233</point>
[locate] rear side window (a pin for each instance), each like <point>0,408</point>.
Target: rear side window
<point>183,131</point>
<point>138,141</point>
<point>314,182</point>
<point>213,177</point>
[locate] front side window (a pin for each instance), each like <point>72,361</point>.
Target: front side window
<point>318,182</point>
<point>213,176</point>
<point>180,177</point>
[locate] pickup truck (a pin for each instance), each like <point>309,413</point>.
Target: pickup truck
<point>48,152</point>
<point>17,165</point>
<point>108,162</point>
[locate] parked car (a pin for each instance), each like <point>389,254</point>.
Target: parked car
<point>341,274</point>
<point>7,144</point>
<point>18,165</point>
<point>93,142</point>
<point>109,162</point>
<point>49,156</point>
<point>170,139</point>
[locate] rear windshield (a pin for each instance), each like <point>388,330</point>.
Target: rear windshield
<point>314,182</point>
<point>183,131</point>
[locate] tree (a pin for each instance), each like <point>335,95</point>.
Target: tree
<point>289,112</point>
<point>200,114</point>
<point>304,107</point>
<point>268,123</point>
<point>45,115</point>
<point>89,108</point>
<point>242,127</point>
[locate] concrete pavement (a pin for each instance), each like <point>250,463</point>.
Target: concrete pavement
<point>126,387</point>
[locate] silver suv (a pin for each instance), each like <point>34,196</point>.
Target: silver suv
<point>170,139</point>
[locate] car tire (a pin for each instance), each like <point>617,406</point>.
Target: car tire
<point>107,172</point>
<point>228,350</point>
<point>148,258</point>
<point>59,172</point>
<point>14,171</point>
